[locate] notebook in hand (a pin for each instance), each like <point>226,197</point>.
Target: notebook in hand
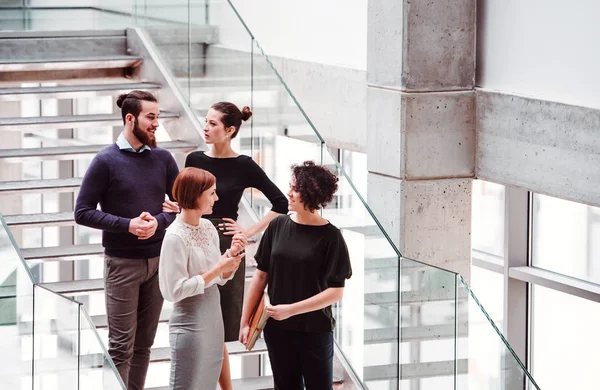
<point>257,321</point>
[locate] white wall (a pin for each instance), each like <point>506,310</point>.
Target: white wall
<point>546,49</point>
<point>332,32</point>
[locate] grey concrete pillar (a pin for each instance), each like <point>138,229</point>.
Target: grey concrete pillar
<point>421,126</point>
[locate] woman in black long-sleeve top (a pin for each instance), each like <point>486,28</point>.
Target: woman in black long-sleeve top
<point>234,173</point>
<point>304,261</point>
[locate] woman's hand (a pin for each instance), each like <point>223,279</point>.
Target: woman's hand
<point>280,312</point>
<point>230,227</point>
<point>229,263</point>
<point>244,331</point>
<point>170,207</point>
<point>238,243</point>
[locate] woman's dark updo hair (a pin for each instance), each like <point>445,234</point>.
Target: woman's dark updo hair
<point>131,103</point>
<point>232,116</point>
<point>315,184</point>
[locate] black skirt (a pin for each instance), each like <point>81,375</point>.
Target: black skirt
<point>232,293</point>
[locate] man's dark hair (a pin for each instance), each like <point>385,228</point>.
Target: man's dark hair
<point>315,184</point>
<point>131,103</point>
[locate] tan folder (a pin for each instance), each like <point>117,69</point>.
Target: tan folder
<point>257,321</point>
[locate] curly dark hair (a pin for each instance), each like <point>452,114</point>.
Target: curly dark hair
<point>315,184</point>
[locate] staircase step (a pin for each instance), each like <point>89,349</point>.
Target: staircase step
<point>96,360</point>
<point>416,333</point>
<point>8,292</point>
<point>76,63</point>
<point>258,383</point>
<point>76,286</point>
<point>387,298</point>
<point>26,45</point>
<point>40,220</point>
<point>92,285</point>
<point>101,322</point>
<point>241,83</point>
<point>75,252</point>
<point>170,35</point>
<point>62,252</point>
<point>416,370</point>
<point>71,152</point>
<point>72,91</point>
<point>163,354</point>
<point>54,34</point>
<point>36,186</point>
<point>413,297</point>
<point>68,121</point>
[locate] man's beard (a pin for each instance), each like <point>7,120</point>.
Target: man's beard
<point>144,137</point>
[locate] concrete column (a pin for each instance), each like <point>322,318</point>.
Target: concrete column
<point>421,126</point>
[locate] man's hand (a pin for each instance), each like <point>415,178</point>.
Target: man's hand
<point>170,207</point>
<point>143,226</point>
<point>280,312</point>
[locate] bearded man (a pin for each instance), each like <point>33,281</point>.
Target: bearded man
<point>129,180</point>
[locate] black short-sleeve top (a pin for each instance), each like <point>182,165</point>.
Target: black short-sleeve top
<point>301,261</point>
<point>234,175</point>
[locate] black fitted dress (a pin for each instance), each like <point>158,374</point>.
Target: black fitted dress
<point>234,175</point>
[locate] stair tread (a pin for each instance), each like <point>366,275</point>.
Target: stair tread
<point>33,185</point>
<point>118,57</point>
<point>79,150</point>
<point>37,120</point>
<point>381,298</point>
<point>61,251</point>
<point>163,354</point>
<point>415,370</point>
<point>415,333</point>
<point>69,63</point>
<point>57,34</point>
<point>257,383</point>
<point>91,285</point>
<point>77,88</point>
<point>44,218</point>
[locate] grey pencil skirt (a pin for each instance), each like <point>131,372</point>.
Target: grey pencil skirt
<point>196,339</point>
<point>232,293</point>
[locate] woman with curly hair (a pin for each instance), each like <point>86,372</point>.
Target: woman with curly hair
<point>304,260</point>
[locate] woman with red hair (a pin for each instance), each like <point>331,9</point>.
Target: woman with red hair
<point>190,269</point>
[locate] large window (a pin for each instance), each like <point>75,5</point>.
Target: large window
<point>488,286</point>
<point>487,232</point>
<point>565,340</point>
<point>566,238</point>
<point>488,219</point>
<point>549,251</point>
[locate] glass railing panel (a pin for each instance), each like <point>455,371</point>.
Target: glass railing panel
<point>428,308</point>
<point>16,316</point>
<point>56,340</point>
<point>97,371</point>
<point>170,33</point>
<point>223,75</point>
<point>367,316</point>
<point>220,61</point>
<point>280,135</point>
<point>487,361</point>
<point>62,18</point>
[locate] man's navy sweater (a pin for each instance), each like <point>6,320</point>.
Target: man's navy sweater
<point>125,184</point>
